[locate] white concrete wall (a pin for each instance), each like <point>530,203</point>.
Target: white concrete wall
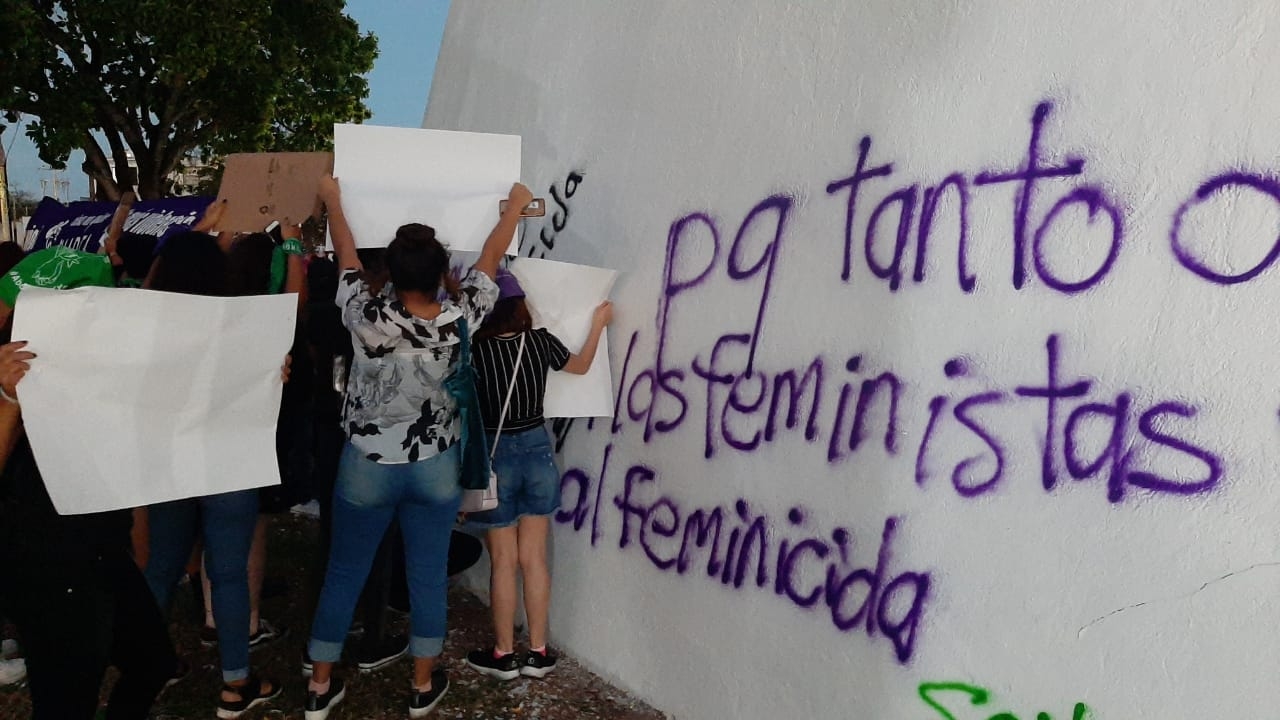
<point>1114,547</point>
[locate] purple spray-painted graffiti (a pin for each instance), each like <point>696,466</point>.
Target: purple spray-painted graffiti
<point>852,406</point>
<point>1207,190</point>
<point>902,204</point>
<point>743,409</point>
<point>736,547</point>
<point>745,406</point>
<point>1094,198</point>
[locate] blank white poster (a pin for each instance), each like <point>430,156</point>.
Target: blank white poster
<point>139,397</point>
<point>562,297</point>
<point>452,181</point>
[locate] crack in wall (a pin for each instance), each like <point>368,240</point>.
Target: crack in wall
<point>1185,596</point>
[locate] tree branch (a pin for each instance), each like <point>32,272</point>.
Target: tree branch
<point>97,167</point>
<point>121,157</point>
<point>73,49</point>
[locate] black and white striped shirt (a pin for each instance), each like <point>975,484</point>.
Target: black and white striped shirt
<point>494,357</point>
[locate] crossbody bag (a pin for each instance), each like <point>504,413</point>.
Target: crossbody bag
<point>487,498</point>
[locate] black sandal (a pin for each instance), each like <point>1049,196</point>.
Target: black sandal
<point>251,695</point>
<point>181,671</point>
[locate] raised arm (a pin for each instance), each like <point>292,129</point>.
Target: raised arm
<point>295,278</point>
<point>495,246</point>
<point>212,216</point>
<point>344,243</point>
<point>116,229</point>
<point>580,363</point>
<point>209,222</point>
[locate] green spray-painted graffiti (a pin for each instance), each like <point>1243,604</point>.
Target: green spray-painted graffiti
<point>978,697</point>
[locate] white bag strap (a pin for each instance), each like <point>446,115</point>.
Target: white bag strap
<point>510,389</point>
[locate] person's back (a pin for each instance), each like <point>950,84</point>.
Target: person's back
<point>512,360</point>
<point>494,358</point>
<point>73,591</point>
<point>193,263</point>
<point>36,538</point>
<point>402,457</point>
<point>397,408</point>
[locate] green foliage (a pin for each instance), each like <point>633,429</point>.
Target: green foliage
<point>165,77</point>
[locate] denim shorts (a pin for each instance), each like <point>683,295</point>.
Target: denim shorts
<point>528,481</point>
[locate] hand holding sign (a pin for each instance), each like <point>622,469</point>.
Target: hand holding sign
<point>603,314</point>
<point>192,402</point>
<point>116,228</point>
<point>14,364</point>
<point>448,180</point>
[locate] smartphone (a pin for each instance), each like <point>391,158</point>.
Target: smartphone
<point>274,231</point>
<point>536,208</point>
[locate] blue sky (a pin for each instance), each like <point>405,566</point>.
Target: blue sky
<point>409,33</point>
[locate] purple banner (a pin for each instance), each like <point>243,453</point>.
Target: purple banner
<point>81,225</point>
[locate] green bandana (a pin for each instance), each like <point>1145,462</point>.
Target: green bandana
<point>278,266</point>
<point>56,268</point>
<point>280,262</point>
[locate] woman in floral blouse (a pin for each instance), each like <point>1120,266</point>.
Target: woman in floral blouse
<point>401,458</point>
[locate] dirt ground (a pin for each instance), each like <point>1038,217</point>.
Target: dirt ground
<point>571,692</point>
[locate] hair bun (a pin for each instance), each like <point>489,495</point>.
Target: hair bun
<point>416,233</point>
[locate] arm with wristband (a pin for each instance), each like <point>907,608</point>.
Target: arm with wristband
<point>112,239</point>
<point>288,268</point>
<point>344,243</point>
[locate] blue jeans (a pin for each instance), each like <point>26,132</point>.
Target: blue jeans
<point>528,481</point>
<point>424,496</point>
<point>227,521</point>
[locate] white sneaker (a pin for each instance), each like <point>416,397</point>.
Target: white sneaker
<point>13,671</point>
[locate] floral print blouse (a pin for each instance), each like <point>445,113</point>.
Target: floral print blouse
<point>397,409</point>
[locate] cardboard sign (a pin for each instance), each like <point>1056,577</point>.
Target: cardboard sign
<point>261,187</point>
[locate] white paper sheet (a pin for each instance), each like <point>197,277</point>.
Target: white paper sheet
<point>139,397</point>
<point>449,180</point>
<point>562,298</point>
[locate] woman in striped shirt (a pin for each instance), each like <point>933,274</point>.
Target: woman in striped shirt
<point>512,357</point>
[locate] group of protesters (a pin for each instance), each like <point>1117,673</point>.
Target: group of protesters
<point>376,445</point>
